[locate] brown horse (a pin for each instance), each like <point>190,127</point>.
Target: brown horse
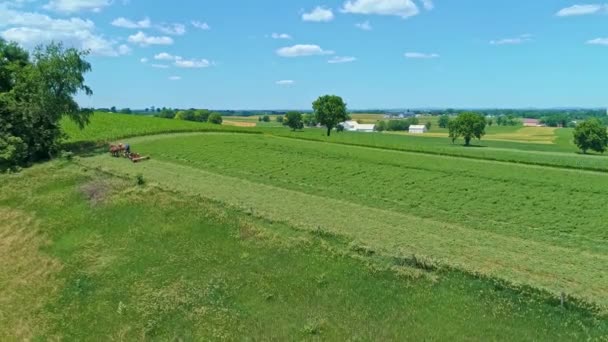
<point>116,150</point>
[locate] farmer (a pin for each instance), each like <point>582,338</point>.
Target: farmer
<point>128,148</point>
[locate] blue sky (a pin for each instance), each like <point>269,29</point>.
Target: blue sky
<point>276,54</point>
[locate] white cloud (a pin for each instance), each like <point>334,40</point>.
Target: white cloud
<point>31,29</point>
<point>524,38</point>
<point>200,25</point>
<point>303,50</point>
<point>144,60</point>
<point>124,50</point>
<point>180,62</point>
<point>174,78</point>
<point>191,63</point>
<point>401,8</point>
<point>428,4</point>
<point>160,66</point>
<point>72,6</point>
<point>173,29</point>
<point>582,10</point>
<point>336,60</point>
<point>419,55</point>
<point>319,14</point>
<point>126,23</point>
<point>598,41</point>
<point>280,36</point>
<point>163,56</point>
<point>365,26</point>
<point>285,82</point>
<point>144,40</point>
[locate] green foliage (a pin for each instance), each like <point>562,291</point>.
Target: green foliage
<point>591,135</point>
<point>401,125</point>
<point>293,120</point>
<point>467,126</point>
<point>381,126</point>
<point>188,115</point>
<point>444,121</point>
<point>507,120</point>
<point>310,120</point>
<point>126,111</point>
<point>216,119</point>
<point>139,179</point>
<point>556,120</point>
<point>167,114</point>
<point>280,119</point>
<point>34,95</point>
<point>265,118</point>
<point>428,125</point>
<point>329,111</point>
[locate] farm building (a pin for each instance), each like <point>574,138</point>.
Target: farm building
<point>418,129</point>
<point>531,123</point>
<point>354,126</point>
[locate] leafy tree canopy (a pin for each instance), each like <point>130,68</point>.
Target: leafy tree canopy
<point>329,111</point>
<point>35,92</point>
<point>591,135</point>
<point>293,120</point>
<point>468,126</point>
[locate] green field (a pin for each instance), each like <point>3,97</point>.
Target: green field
<point>106,127</point>
<point>291,236</point>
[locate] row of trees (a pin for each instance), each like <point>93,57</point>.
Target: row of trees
<point>198,115</point>
<point>397,125</point>
<point>35,93</point>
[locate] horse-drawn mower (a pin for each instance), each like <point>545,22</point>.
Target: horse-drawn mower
<point>125,152</point>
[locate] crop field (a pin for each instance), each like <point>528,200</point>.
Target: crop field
<point>538,135</point>
<point>562,154</point>
<point>292,235</point>
<point>106,127</point>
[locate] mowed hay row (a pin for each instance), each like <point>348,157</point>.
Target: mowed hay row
<point>516,260</point>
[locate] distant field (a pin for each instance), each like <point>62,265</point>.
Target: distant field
<point>250,121</point>
<point>105,127</point>
<point>561,154</point>
<point>538,135</point>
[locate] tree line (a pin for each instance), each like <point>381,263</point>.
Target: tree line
<point>197,115</point>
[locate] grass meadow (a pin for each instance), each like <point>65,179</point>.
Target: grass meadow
<point>129,262</point>
<point>286,235</point>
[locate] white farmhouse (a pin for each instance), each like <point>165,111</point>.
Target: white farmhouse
<point>418,129</point>
<point>354,126</point>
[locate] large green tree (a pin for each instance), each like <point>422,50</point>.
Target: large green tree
<point>35,92</point>
<point>443,121</point>
<point>467,126</point>
<point>591,135</point>
<point>293,120</point>
<point>329,111</point>
<point>215,118</point>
